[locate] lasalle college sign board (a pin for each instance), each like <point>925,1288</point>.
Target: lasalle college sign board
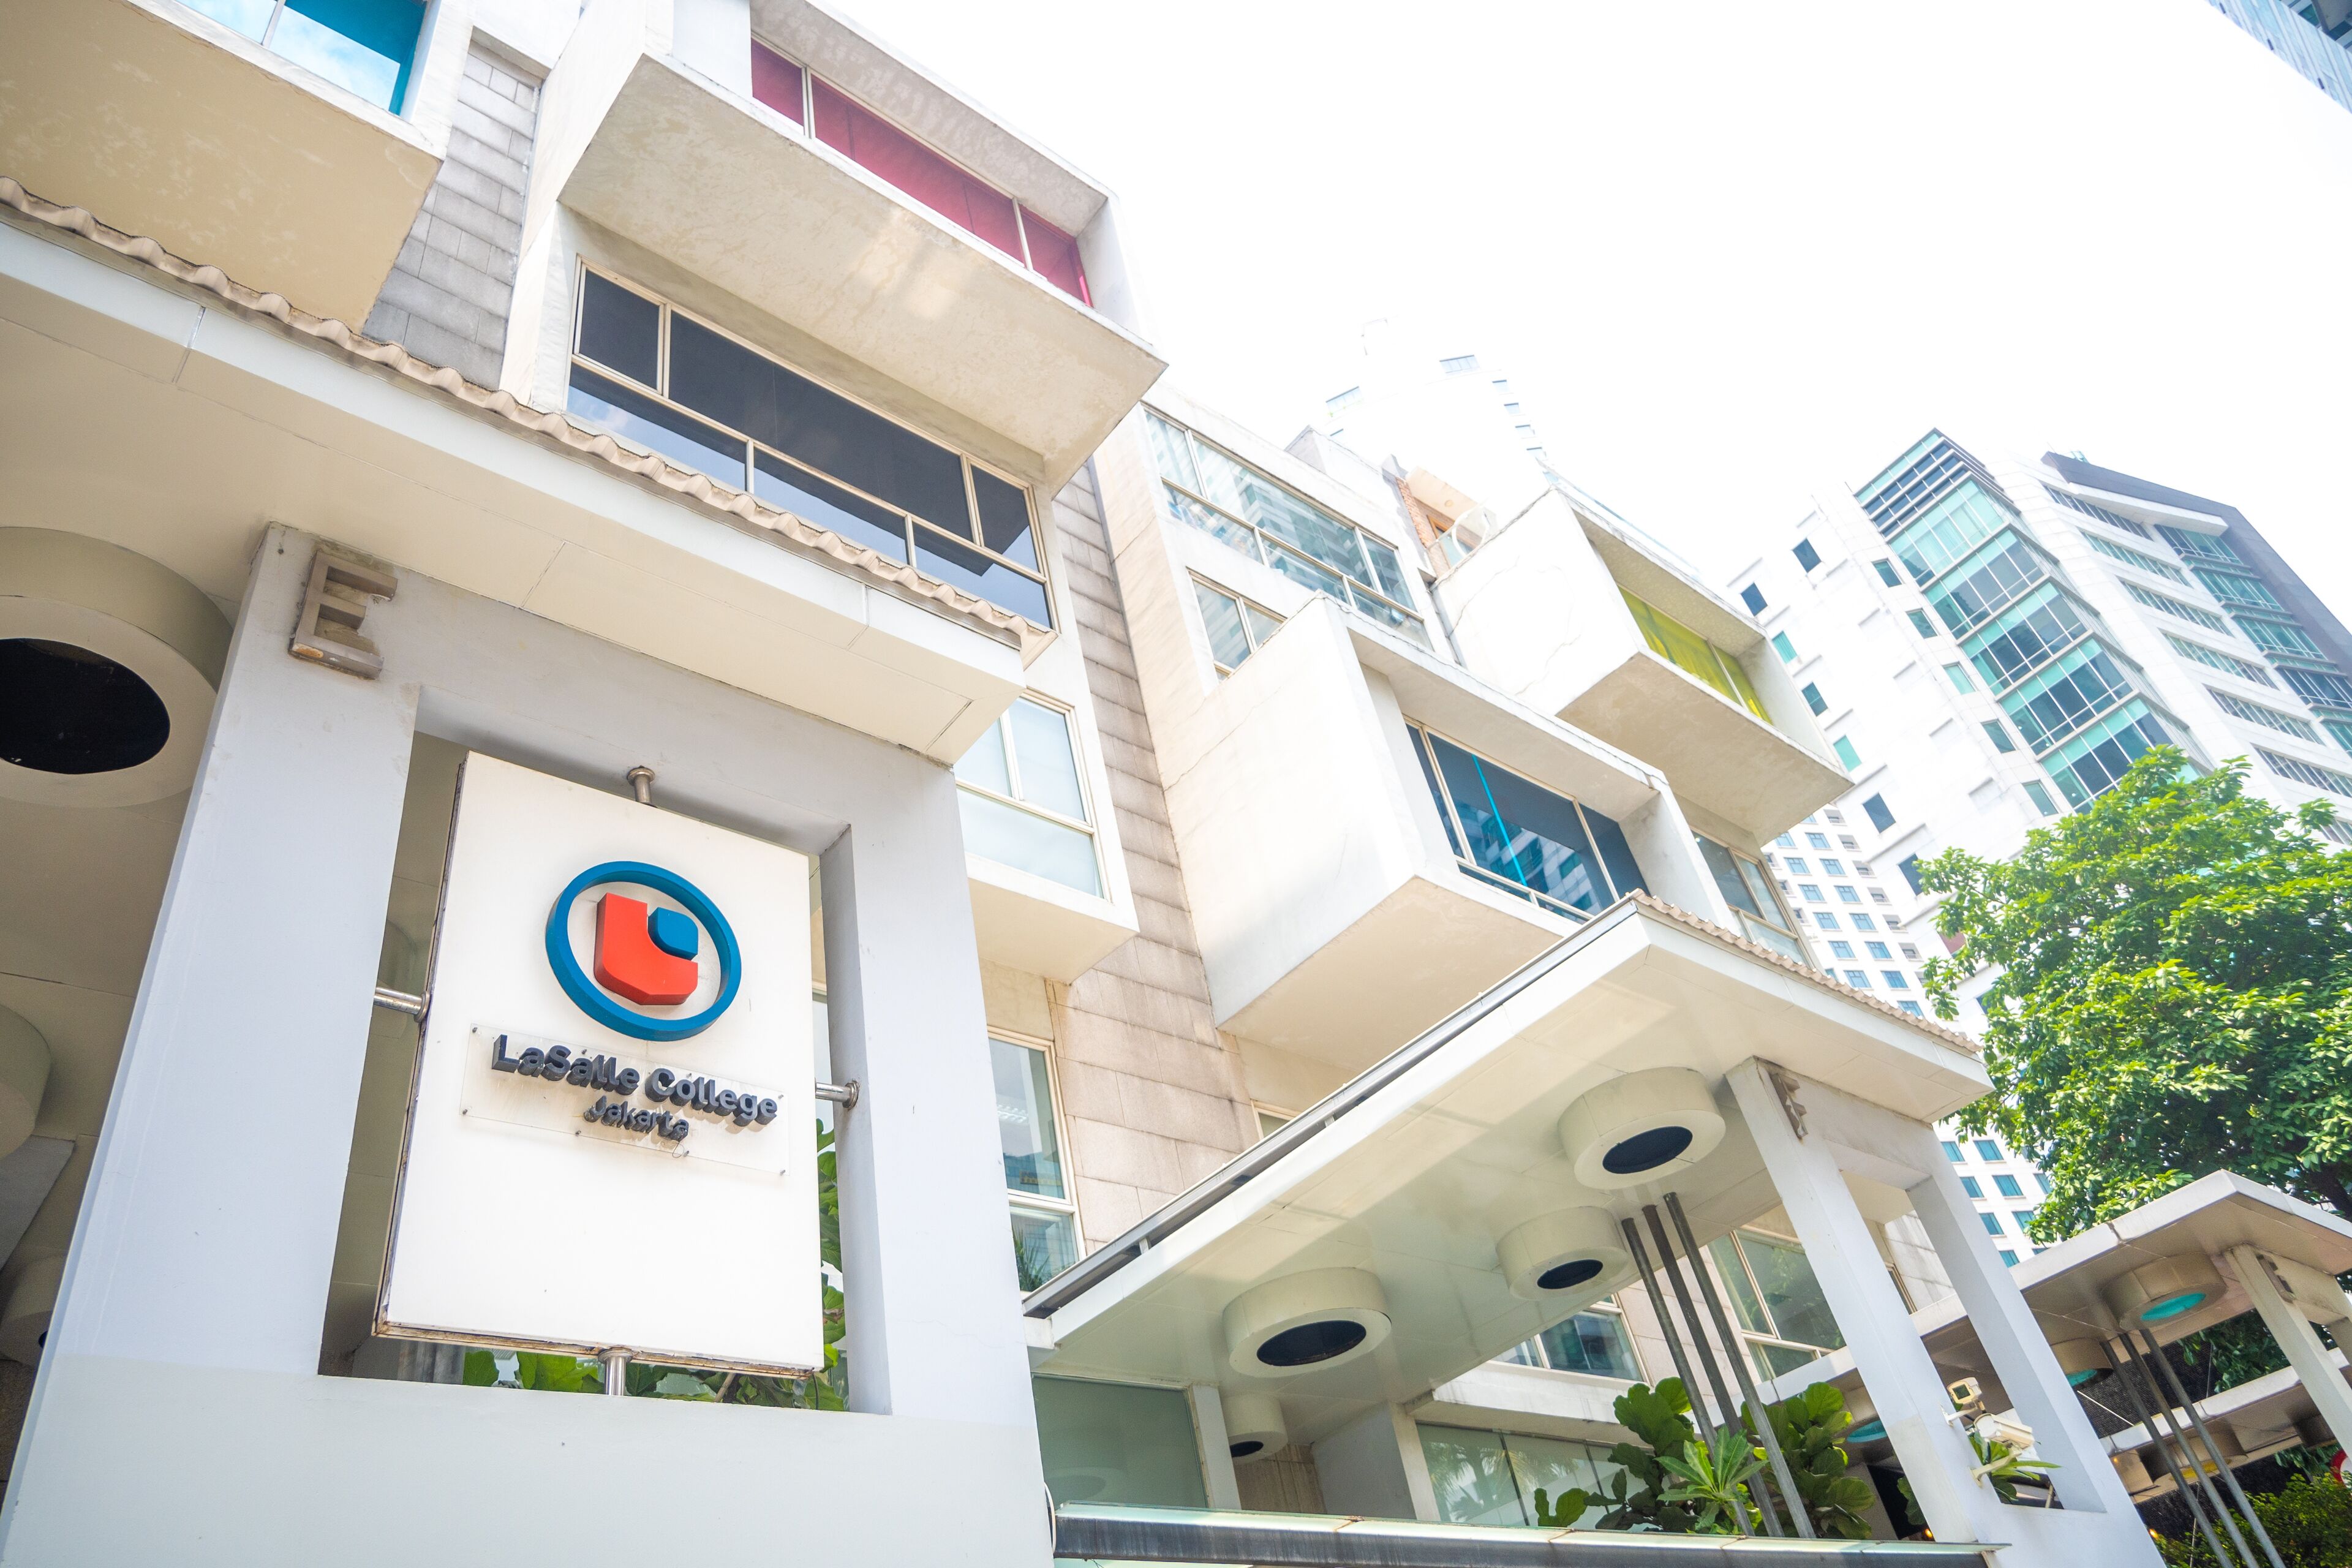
<point>612,1143</point>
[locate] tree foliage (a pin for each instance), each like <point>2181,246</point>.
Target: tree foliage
<point>2174,997</point>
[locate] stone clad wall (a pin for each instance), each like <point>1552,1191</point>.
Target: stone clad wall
<point>1153,1095</point>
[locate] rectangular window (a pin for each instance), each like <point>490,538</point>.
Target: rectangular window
<point>777,83</point>
<point>1999,736</point>
<point>1492,1478</point>
<point>1693,654</point>
<point>1830,867</point>
<point>1987,583</point>
<point>2320,688</point>
<point>2167,605</point>
<point>2008,1258</point>
<point>1775,1298</point>
<point>1229,500</point>
<point>2130,557</point>
<point>2027,636</point>
<point>2204,546</point>
<point>1753,597</point>
<point>367,47</point>
<point>1913,1008</point>
<point>2006,1185</point>
<point>1236,627</point>
<point>2024,1218</point>
<point>1959,676</point>
<point>1023,803</point>
<point>2059,700</point>
<point>1886,573</point>
<point>1045,1222</point>
<point>1909,952</point>
<point>1818,840</point>
<point>2302,771</point>
<point>1149,1430</point>
<point>1920,623</point>
<point>1807,556</point>
<point>1878,950</point>
<point>2041,799</point>
<point>1895,981</point>
<point>1858,978</point>
<point>1843,747</point>
<point>1910,867</point>
<point>2042,1180</point>
<point>2093,508</point>
<point>2231,588</point>
<point>1811,893</point>
<point>2088,765</point>
<point>1988,1151</point>
<point>1841,949</point>
<point>2268,718</point>
<point>1813,700</point>
<point>705,401</point>
<point>2278,635</point>
<point>1762,918</point>
<point>1971,1186</point>
<point>1784,647</point>
<point>1862,921</point>
<point>1952,1152</point>
<point>1826,920</point>
<point>1847,895</point>
<point>1880,817</point>
<point>1514,834</point>
<point>1992,1223</point>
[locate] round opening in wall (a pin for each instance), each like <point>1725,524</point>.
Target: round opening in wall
<point>1253,1426</point>
<point>2163,1291</point>
<point>1566,1275</point>
<point>1248,1450</point>
<point>1565,1259</point>
<point>74,712</point>
<point>1304,1323</point>
<point>1641,1127</point>
<point>2083,1362</point>
<point>1311,1343</point>
<point>1645,1151</point>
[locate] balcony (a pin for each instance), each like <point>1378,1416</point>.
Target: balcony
<point>295,167</point>
<point>1586,620</point>
<point>929,252</point>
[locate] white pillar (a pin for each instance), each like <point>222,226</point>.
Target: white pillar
<point>2321,1377</point>
<point>208,1231</point>
<point>2085,1479</point>
<point>1374,1468</point>
<point>1902,1381</point>
<point>1216,1446</point>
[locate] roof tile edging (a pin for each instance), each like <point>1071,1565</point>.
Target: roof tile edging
<point>503,404</point>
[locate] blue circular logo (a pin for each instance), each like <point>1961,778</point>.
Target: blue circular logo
<point>648,955</point>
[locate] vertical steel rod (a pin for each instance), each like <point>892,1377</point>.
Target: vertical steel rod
<point>2180,1430</point>
<point>1781,1474</point>
<point>2124,1375</point>
<point>617,1373</point>
<point>2229,1477</point>
<point>1667,1327</point>
<point>1700,1347</point>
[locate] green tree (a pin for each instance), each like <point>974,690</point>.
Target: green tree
<point>2174,993</point>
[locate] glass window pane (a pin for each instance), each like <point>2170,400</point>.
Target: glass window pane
<point>1049,770</point>
<point>1744,1304</point>
<point>1553,1465</point>
<point>1221,613</point>
<point>1387,576</point>
<point>1261,625</point>
<point>1471,1476</point>
<point>1436,790</point>
<point>1214,524</point>
<point>1521,831</point>
<point>1387,614</point>
<point>1724,868</point>
<point>776,82</point>
<point>1594,1343</point>
<point>633,416</point>
<point>1790,1289</point>
<point>1025,1122</point>
<point>1779,1359</point>
<point>1291,519</point>
<point>1044,1242</point>
<point>983,578</point>
<point>362,45</point>
<point>1223,480</point>
<point>1109,1443</point>
<point>984,764</point>
<point>1624,871</point>
<point>1004,518</point>
<point>250,18</point>
<point>1054,254</point>
<point>1301,570</point>
<point>620,329</point>
<point>1173,450</point>
<point>793,488</point>
<point>1028,842</point>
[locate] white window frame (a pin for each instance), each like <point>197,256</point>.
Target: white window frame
<point>1004,728</point>
<point>1248,631</point>
<point>1032,1201</point>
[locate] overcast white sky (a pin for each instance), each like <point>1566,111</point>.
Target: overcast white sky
<point>1729,253</point>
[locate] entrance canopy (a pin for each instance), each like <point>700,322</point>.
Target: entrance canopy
<point>1394,1204</point>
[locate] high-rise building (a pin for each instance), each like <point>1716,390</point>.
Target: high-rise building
<point>2310,38</point>
<point>1990,642</point>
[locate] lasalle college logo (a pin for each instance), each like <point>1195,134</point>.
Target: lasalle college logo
<point>644,957</point>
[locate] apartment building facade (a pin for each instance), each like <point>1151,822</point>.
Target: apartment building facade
<point>720,856</point>
<point>2310,38</point>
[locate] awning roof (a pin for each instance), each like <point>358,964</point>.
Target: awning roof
<point>1413,1171</point>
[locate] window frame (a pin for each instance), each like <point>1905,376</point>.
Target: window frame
<point>1245,603</point>
<point>910,522</point>
<point>1458,837</point>
<point>1420,622</point>
<point>1018,1200</point>
<point>1002,725</point>
<point>1752,1337</point>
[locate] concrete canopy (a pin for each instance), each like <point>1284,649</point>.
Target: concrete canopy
<point>1412,1173</point>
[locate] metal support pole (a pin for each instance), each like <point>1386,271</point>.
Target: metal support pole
<point>616,1373</point>
<point>2181,1482</point>
<point>2229,1477</point>
<point>641,784</point>
<point>1700,1347</point>
<point>2180,1431</point>
<point>1666,1326</point>
<point>1781,1474</point>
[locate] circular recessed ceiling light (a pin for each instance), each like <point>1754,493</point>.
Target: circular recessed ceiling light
<point>1642,1127</point>
<point>109,662</point>
<point>2083,1361</point>
<point>1322,1318</point>
<point>1254,1427</point>
<point>1565,1259</point>
<point>2163,1290</point>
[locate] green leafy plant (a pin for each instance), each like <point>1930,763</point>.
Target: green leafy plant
<point>1811,1427</point>
<point>2174,993</point>
<point>2004,1467</point>
<point>825,1389</point>
<point>1635,1492</point>
<point>1711,1480</point>
<point>2309,1520</point>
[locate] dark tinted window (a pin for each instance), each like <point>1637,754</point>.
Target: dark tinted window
<point>801,493</point>
<point>1813,699</point>
<point>1807,556</point>
<point>1910,867</point>
<point>620,329</point>
<point>1004,518</point>
<point>1886,573</point>
<point>978,576</point>
<point>1753,597</point>
<point>1880,817</point>
<point>681,439</point>
<point>1615,853</point>
<point>715,376</point>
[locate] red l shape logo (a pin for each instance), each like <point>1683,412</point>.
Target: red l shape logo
<point>639,951</point>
